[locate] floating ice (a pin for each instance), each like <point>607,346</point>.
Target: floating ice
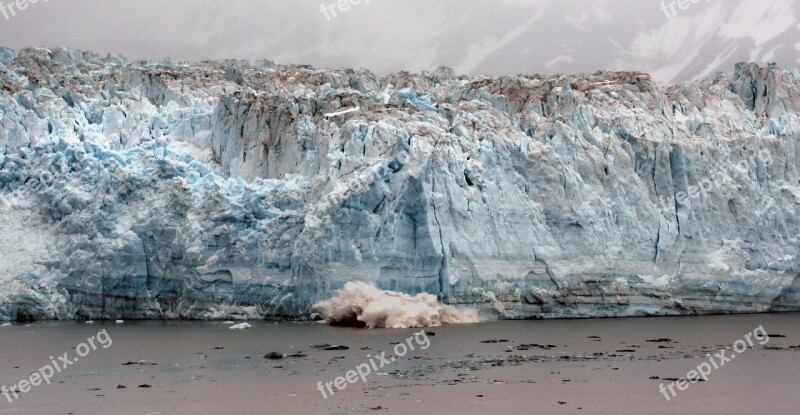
<point>362,303</point>
<point>241,326</point>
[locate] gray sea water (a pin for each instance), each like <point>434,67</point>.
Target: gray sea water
<point>604,366</point>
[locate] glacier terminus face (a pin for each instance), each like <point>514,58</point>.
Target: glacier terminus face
<point>236,190</point>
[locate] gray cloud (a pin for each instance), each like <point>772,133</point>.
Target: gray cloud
<point>473,36</point>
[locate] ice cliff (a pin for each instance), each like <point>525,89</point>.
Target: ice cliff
<point>254,190</point>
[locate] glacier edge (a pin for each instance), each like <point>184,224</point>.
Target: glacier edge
<point>221,190</point>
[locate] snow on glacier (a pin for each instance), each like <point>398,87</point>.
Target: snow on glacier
<point>220,190</point>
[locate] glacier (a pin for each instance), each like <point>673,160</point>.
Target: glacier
<point>240,190</point>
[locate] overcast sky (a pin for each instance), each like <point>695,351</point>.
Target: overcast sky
<point>472,36</point>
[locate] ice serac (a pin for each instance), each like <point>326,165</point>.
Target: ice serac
<point>235,190</point>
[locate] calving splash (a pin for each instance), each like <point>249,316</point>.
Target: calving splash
<point>364,304</point>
